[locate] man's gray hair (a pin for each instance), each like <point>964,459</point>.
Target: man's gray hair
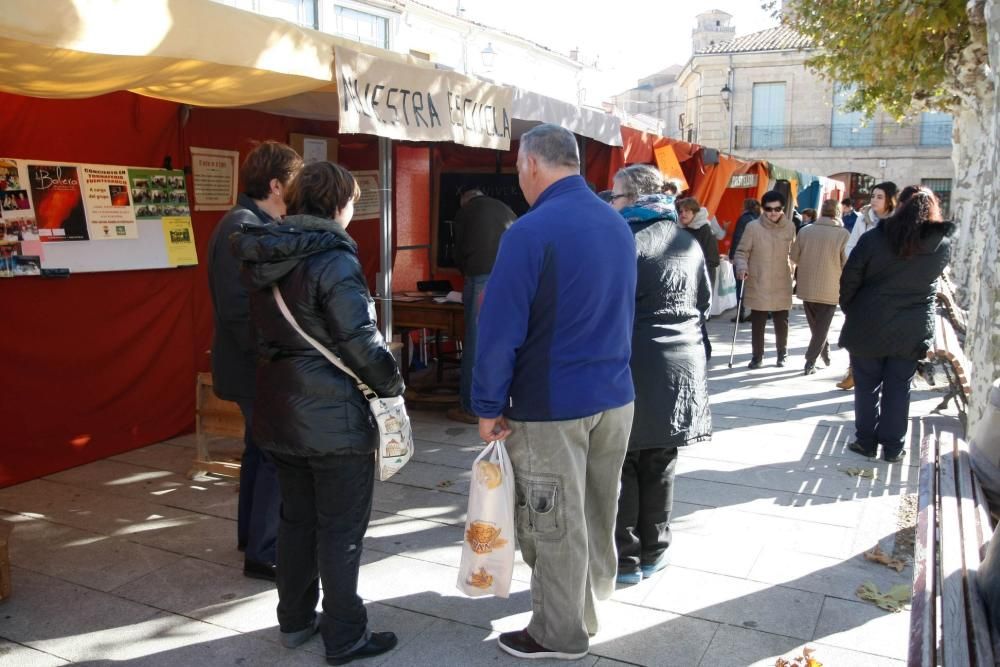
<point>648,178</point>
<point>553,145</point>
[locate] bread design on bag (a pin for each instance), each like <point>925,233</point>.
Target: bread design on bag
<point>489,474</point>
<point>480,579</point>
<point>483,537</point>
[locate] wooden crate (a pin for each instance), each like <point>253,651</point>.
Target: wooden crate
<point>214,416</point>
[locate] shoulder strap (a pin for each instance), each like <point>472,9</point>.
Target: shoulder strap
<point>331,357</point>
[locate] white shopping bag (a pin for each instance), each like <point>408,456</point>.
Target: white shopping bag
<point>488,548</point>
<point>724,292</point>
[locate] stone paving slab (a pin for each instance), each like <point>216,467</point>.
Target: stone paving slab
<point>126,561</point>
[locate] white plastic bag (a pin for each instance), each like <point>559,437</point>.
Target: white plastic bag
<point>488,548</point>
<point>724,291</point>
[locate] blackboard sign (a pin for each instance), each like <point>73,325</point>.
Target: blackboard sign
<point>451,184</point>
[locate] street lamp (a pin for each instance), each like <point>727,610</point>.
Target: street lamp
<point>726,94</point>
<point>488,55</point>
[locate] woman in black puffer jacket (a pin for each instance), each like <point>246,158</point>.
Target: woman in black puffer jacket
<point>309,415</point>
<point>887,293</point>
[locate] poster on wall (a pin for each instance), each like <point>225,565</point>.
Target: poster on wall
<point>367,207</point>
<point>108,203</point>
<point>158,192</point>
<point>179,237</point>
<point>58,202</point>
<point>214,176</point>
<point>14,201</point>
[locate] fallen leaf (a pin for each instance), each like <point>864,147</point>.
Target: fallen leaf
<point>868,473</point>
<point>893,600</point>
<point>878,556</point>
<point>804,660</point>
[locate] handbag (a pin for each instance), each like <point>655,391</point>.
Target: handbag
<point>487,565</point>
<point>395,444</point>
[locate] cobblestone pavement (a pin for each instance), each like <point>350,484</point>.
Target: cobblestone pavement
<point>126,561</point>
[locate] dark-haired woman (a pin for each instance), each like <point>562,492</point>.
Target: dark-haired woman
<point>880,205</point>
<point>887,294</point>
<point>310,415</point>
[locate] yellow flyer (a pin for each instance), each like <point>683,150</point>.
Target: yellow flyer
<point>179,236</point>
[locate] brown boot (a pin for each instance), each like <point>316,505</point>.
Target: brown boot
<point>848,381</point>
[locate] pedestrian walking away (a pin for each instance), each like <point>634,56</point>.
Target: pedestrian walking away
<point>762,261</point>
<point>670,353</point>
<point>818,254</point>
<point>266,174</point>
<point>887,294</point>
<point>552,378</point>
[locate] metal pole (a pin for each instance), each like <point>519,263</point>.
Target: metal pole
<point>732,102</point>
<point>383,285</point>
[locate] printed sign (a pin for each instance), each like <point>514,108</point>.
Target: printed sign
<point>368,206</point>
<point>743,181</point>
<point>58,200</point>
<point>179,237</point>
<point>214,175</point>
<point>415,103</point>
<point>108,203</point>
<point>158,193</point>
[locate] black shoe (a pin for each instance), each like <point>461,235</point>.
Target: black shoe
<point>377,644</point>
<point>810,369</point>
<point>858,448</point>
<point>256,570</point>
<point>895,458</point>
<point>523,645</point>
<point>782,358</point>
<point>755,364</point>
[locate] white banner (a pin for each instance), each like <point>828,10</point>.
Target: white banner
<point>414,103</point>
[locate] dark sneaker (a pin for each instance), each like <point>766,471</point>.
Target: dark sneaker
<point>257,570</point>
<point>810,369</point>
<point>521,645</point>
<point>296,639</point>
<point>649,569</point>
<point>896,458</point>
<point>629,578</point>
<point>782,358</point>
<point>377,644</point>
<point>858,448</point>
<point>755,364</point>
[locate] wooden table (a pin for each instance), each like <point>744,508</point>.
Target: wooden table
<point>447,318</point>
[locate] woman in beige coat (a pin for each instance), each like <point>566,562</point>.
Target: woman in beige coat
<point>762,262</point>
<point>819,253</point>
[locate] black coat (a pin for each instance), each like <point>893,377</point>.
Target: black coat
<point>888,301</point>
<point>233,350</point>
<point>304,404</point>
<point>741,225</point>
<point>670,345</point>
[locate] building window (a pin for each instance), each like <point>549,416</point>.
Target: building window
<point>935,129</point>
<point>942,188</point>
<point>363,27</point>
<point>300,12</point>
<point>847,129</point>
<point>767,124</point>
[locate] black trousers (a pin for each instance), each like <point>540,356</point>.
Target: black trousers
<point>642,531</point>
<point>326,502</point>
<point>882,402</point>
<point>758,320</point>
<point>819,316</point>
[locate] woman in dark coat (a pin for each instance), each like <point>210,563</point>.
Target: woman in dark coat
<point>694,218</point>
<point>887,293</point>
<point>670,350</point>
<point>309,415</point>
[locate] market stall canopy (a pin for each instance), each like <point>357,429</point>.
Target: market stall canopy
<point>211,55</point>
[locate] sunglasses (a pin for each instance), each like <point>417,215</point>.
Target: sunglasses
<point>774,209</point>
<point>614,197</point>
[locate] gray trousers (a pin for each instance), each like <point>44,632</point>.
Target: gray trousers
<point>819,316</point>
<point>567,474</point>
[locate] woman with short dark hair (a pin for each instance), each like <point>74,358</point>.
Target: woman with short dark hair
<point>887,293</point>
<point>693,218</point>
<point>309,415</point>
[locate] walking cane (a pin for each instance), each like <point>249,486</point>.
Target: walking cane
<point>739,316</point>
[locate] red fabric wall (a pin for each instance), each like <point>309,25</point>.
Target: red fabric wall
<point>100,363</point>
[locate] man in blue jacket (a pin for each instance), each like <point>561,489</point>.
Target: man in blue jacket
<point>552,378</point>
<point>265,173</point>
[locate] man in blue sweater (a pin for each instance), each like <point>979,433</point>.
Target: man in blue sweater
<point>552,378</point>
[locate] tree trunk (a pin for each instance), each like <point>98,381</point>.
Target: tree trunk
<point>976,259</point>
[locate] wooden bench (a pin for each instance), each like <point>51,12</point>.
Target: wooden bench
<point>948,621</point>
<point>213,416</point>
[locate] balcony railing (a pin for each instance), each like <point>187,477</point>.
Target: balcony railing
<point>930,135</point>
